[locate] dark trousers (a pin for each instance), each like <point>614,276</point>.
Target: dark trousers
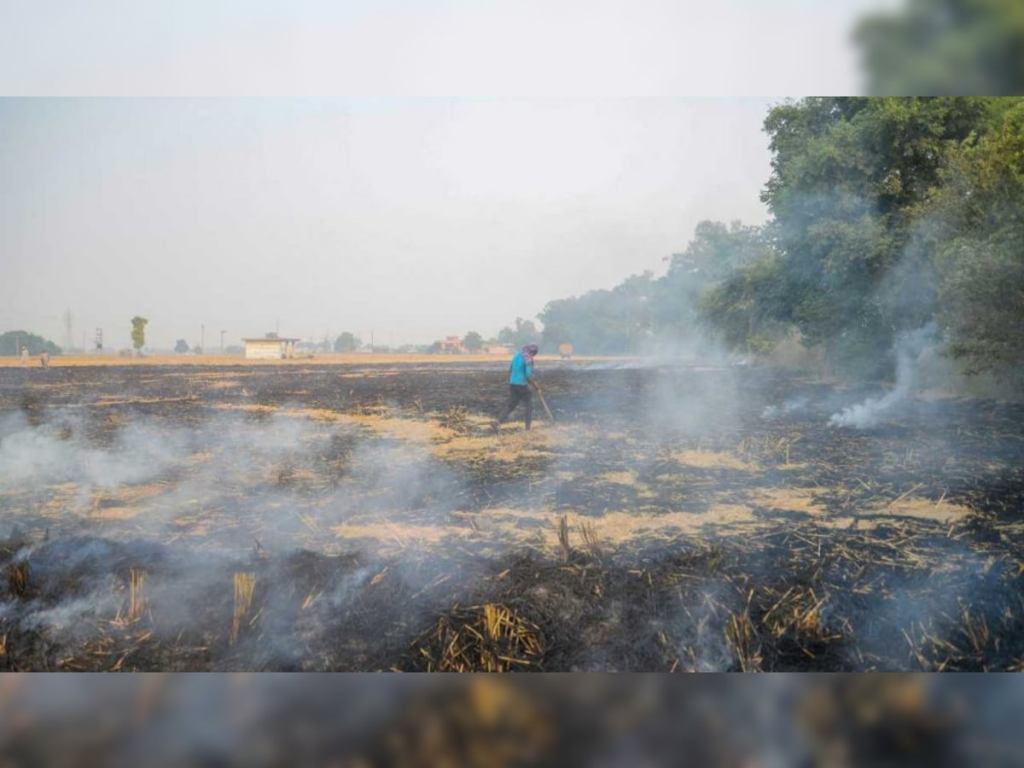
<point>518,393</point>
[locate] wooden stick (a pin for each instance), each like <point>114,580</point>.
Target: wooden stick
<point>544,403</point>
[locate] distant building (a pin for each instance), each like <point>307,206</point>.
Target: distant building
<point>451,344</point>
<point>270,348</point>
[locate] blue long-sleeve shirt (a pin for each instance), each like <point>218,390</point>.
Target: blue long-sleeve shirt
<point>520,372</point>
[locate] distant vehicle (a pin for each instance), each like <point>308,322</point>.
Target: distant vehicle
<point>565,351</point>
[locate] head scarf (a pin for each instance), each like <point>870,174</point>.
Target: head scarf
<point>529,352</point>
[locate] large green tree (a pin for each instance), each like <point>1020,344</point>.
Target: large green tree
<point>848,178</point>
<point>976,227</point>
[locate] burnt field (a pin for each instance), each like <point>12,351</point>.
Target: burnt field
<point>338,518</point>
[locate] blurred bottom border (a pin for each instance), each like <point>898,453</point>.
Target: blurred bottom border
<point>494,721</point>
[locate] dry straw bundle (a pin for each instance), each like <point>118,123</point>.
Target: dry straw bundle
<point>245,584</point>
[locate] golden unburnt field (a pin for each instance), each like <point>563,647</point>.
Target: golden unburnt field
<point>319,514</point>
<point>354,359</point>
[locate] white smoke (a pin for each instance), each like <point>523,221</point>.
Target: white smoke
<point>910,349</point>
<point>790,406</point>
<point>56,452</point>
<point>693,402</point>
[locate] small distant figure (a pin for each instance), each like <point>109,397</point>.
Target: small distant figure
<point>565,351</point>
<point>24,355</point>
<point>44,359</point>
<point>520,381</point>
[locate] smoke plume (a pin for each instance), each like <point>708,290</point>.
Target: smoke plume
<point>910,350</point>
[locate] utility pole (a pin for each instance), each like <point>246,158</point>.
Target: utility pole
<point>69,339</point>
<point>222,341</point>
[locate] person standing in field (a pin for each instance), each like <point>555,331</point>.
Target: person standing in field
<point>24,355</point>
<point>44,359</point>
<point>520,382</point>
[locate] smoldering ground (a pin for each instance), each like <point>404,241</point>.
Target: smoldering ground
<point>331,518</point>
<point>910,350</point>
<point>247,488</point>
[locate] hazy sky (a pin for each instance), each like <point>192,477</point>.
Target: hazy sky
<point>480,158</point>
<point>484,48</point>
<point>413,218</point>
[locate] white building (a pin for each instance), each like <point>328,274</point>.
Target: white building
<point>269,348</point>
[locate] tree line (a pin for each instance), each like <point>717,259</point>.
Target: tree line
<point>12,342</point>
<point>885,214</point>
